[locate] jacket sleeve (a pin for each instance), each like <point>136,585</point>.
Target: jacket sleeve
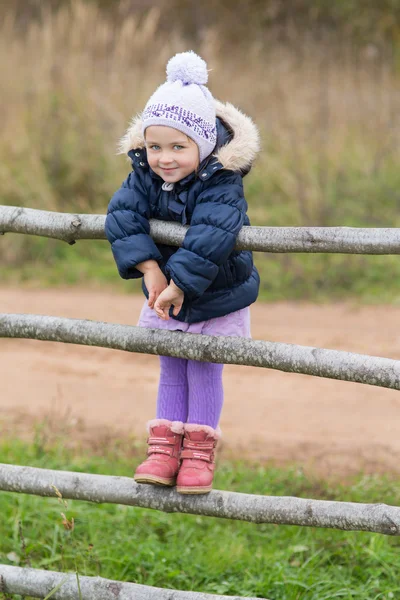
<point>127,227</point>
<point>218,217</point>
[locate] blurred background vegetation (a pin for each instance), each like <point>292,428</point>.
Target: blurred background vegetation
<point>321,79</point>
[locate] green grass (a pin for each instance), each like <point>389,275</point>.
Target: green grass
<point>315,277</point>
<point>199,553</point>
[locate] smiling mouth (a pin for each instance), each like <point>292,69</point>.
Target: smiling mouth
<point>170,169</point>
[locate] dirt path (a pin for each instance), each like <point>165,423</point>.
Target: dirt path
<point>329,426</point>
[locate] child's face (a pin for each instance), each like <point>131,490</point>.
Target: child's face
<point>170,153</point>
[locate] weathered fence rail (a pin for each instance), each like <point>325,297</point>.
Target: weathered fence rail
<point>332,364</point>
<point>73,227</point>
<point>281,510</point>
<point>39,583</point>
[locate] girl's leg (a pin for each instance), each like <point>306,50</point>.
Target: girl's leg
<point>166,431</point>
<point>201,433</point>
<point>206,394</point>
<point>172,400</point>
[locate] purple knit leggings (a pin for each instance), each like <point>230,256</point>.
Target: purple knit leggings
<point>190,391</point>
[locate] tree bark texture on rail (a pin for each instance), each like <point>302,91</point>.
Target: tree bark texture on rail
<point>280,510</point>
<point>333,364</point>
<point>39,583</point>
<point>73,227</point>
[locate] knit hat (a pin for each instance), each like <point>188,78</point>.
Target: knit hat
<point>184,102</point>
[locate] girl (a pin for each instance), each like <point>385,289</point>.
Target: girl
<point>189,154</point>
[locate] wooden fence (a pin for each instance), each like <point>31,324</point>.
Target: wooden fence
<point>319,362</point>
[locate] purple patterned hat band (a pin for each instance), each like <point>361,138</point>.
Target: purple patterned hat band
<point>172,115</point>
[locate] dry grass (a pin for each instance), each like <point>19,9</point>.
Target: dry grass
<point>328,113</point>
<point>73,83</point>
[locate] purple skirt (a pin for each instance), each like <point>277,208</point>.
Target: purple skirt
<point>235,324</point>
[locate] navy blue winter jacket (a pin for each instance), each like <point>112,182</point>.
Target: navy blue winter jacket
<point>215,278</point>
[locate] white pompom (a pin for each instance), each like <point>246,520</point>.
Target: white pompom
<point>187,67</point>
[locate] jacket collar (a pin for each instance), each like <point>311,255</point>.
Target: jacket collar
<point>238,142</point>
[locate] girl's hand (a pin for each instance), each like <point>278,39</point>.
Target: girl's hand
<point>171,295</point>
<point>154,280</point>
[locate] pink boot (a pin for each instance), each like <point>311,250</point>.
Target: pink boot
<point>197,469</point>
<point>165,442</point>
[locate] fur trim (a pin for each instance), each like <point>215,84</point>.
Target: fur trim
<point>178,427</point>
<point>241,151</point>
<point>175,426</point>
<point>237,155</point>
<point>133,137</point>
<point>215,433</point>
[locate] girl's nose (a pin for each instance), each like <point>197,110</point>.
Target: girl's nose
<point>165,159</point>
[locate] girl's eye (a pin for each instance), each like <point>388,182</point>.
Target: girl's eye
<point>178,147</point>
<point>154,147</point>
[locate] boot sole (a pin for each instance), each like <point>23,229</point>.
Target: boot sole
<point>154,480</point>
<point>193,490</point>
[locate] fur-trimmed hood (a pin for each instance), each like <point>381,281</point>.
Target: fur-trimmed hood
<point>237,155</point>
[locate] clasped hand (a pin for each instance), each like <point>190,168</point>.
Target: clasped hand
<point>171,296</point>
<point>161,295</point>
